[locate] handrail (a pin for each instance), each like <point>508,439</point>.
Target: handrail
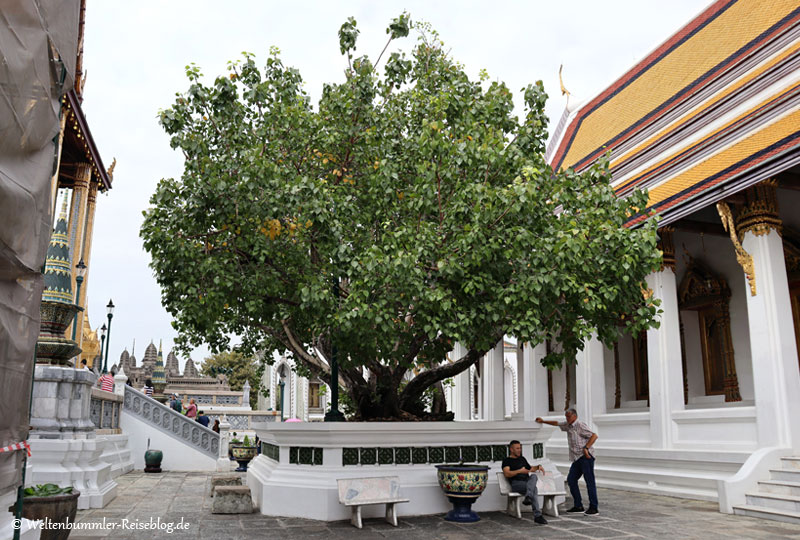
<point>171,422</point>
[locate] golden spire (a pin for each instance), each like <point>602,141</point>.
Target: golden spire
<point>564,91</point>
<point>63,214</point>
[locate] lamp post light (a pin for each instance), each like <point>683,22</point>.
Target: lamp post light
<point>80,272</point>
<point>281,384</point>
<point>102,342</point>
<point>110,308</point>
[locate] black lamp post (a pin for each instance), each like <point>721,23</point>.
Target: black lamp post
<point>110,308</point>
<point>102,342</point>
<point>281,384</point>
<point>80,272</point>
<point>334,414</point>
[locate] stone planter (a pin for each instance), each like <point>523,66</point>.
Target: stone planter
<point>57,509</point>
<point>463,484</point>
<point>152,461</point>
<point>243,455</point>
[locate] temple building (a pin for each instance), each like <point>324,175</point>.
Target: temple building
<point>709,124</point>
<point>184,382</point>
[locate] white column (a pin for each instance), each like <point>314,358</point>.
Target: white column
<point>492,378</point>
<point>776,379</point>
<point>537,394</point>
<point>460,405</point>
<point>590,384</point>
<point>223,462</point>
<point>524,383</point>
<point>664,369</point>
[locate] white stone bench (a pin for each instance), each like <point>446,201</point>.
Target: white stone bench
<point>358,492</point>
<point>546,487</point>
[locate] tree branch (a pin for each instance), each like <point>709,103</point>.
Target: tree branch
<point>418,384</point>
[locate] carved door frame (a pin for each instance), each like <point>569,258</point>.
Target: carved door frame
<point>704,291</point>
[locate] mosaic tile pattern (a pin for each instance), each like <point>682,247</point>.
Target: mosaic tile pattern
<point>402,456</point>
<point>436,454</point>
<point>418,455</point>
<point>452,454</point>
<point>349,456</point>
<point>369,456</point>
<point>385,456</point>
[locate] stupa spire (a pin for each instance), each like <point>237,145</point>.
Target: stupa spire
<point>58,265</point>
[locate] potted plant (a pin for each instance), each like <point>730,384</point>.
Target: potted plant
<point>463,484</point>
<point>57,504</point>
<point>152,459</point>
<point>243,453</point>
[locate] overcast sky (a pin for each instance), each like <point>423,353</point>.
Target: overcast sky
<point>135,53</point>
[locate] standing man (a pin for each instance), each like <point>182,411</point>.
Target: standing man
<point>518,471</point>
<point>580,439</point>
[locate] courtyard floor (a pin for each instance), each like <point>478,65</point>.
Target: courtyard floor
<point>173,497</point>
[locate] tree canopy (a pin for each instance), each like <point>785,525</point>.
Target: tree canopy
<point>409,210</point>
<point>238,368</point>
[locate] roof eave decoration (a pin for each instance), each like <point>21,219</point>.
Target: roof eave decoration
<point>92,152</point>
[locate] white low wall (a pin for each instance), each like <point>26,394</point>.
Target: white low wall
<point>310,491</point>
<point>732,428</point>
<point>116,453</point>
<point>178,456</point>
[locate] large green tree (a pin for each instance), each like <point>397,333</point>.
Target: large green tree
<point>408,210</point>
<point>237,368</point>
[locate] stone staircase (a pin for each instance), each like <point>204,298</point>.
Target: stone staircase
<point>186,444</point>
<point>778,498</point>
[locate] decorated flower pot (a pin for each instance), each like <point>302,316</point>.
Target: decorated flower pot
<point>243,455</point>
<point>152,461</point>
<point>463,484</point>
<point>57,508</point>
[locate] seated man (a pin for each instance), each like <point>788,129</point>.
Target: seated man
<point>518,471</point>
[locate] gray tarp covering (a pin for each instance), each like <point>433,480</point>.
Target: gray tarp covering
<point>38,51</point>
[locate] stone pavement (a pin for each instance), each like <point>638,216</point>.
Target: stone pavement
<point>175,496</point>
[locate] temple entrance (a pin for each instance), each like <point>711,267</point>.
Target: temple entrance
<point>707,295</point>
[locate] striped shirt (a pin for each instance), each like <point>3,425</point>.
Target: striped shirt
<point>148,391</point>
<point>578,434</point>
<point>107,383</point>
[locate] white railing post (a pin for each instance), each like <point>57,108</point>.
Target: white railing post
<point>223,462</point>
<point>120,379</point>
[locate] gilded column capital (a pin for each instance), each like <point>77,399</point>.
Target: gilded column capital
<point>667,247</point>
<point>744,259</point>
<point>760,213</point>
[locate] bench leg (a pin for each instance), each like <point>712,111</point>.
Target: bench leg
<point>355,517</point>
<point>514,507</point>
<point>391,514</point>
<point>550,507</point>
